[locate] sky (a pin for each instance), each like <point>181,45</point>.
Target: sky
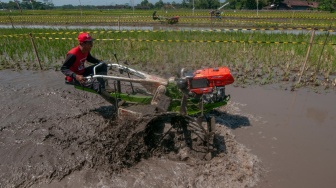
<point>98,2</point>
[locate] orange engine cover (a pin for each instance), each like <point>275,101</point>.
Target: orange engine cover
<point>205,79</point>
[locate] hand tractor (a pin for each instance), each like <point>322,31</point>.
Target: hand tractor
<point>182,104</point>
<point>171,20</point>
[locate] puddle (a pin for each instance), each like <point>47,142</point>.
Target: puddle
<point>294,135</point>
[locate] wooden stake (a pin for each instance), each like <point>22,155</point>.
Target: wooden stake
<point>118,23</point>
<point>307,55</point>
<point>37,56</point>
<point>11,21</point>
<point>319,61</point>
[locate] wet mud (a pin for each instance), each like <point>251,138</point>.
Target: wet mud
<point>292,133</point>
<point>52,135</point>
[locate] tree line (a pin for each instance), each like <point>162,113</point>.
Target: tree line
<point>27,5</point>
<point>324,5</point>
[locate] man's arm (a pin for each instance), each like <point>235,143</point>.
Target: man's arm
<point>92,59</point>
<point>65,69</point>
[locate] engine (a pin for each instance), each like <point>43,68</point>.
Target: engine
<point>207,84</point>
<point>217,95</point>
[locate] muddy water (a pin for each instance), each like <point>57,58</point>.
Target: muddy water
<point>52,135</point>
<point>293,133</point>
<point>161,27</point>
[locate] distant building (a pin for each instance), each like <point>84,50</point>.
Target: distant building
<point>293,5</point>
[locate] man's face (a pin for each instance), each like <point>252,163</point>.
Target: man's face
<point>87,45</point>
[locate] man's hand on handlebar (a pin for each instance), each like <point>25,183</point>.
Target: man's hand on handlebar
<point>80,79</point>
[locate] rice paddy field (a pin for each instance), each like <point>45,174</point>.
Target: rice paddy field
<point>260,48</point>
<point>276,131</point>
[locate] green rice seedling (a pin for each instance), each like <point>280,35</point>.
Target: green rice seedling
<point>179,48</point>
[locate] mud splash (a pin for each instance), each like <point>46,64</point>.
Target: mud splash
<point>52,135</point>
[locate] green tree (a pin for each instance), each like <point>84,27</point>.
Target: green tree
<point>12,5</point>
<point>328,5</point>
<point>145,3</point>
<point>214,4</point>
<point>252,4</point>
<point>201,4</point>
<point>159,4</point>
<point>207,4</point>
<point>185,4</point>
<point>234,4</point>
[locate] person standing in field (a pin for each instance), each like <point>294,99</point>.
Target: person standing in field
<point>75,71</point>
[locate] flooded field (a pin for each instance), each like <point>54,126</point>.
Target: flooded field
<point>52,135</point>
<point>160,27</point>
<point>293,134</point>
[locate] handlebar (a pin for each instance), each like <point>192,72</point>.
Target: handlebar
<point>98,65</point>
<point>120,68</point>
<point>142,77</point>
<point>126,69</point>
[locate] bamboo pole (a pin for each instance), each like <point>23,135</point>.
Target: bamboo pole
<point>10,19</point>
<point>319,61</point>
<point>36,53</point>
<point>118,23</point>
<point>307,55</point>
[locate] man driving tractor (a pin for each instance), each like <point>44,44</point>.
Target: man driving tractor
<point>75,71</point>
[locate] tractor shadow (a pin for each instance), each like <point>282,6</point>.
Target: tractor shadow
<point>107,112</point>
<point>232,121</point>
